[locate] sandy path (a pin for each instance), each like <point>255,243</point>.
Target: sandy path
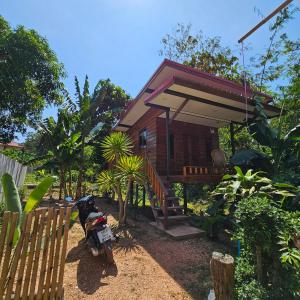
<point>149,265</point>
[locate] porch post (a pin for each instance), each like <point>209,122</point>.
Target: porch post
<point>168,142</point>
<point>232,138</point>
<point>185,198</point>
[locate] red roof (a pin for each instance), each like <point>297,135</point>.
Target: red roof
<point>12,145</point>
<point>171,73</point>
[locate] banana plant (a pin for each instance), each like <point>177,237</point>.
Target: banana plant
<point>12,199</point>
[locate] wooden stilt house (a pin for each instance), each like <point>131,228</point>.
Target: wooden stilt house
<point>174,123</point>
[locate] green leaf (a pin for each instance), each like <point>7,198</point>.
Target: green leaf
<point>74,216</point>
<point>11,194</point>
<point>264,180</point>
<point>12,201</point>
<point>283,193</point>
<point>235,186</point>
<point>294,134</point>
<point>284,185</point>
<point>37,194</point>
<point>239,171</point>
<point>226,177</point>
<point>252,190</point>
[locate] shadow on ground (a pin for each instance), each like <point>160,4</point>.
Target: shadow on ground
<point>90,269</point>
<point>187,262</point>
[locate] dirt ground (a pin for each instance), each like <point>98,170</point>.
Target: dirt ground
<point>149,265</point>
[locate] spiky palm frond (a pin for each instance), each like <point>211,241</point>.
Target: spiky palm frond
<point>131,168</point>
<point>116,145</point>
<point>108,180</point>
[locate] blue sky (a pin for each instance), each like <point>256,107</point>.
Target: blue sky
<point>120,39</point>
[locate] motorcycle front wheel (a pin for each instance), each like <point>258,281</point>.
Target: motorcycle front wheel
<point>108,253</point>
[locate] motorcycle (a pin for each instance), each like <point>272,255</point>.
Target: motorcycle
<point>98,234</point>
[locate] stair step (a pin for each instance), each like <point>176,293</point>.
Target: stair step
<point>169,207</point>
<point>175,218</point>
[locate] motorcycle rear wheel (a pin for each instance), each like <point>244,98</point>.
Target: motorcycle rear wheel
<point>108,253</point>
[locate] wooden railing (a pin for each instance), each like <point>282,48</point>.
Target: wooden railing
<point>198,170</point>
<point>156,182</point>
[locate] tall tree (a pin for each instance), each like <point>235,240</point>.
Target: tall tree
<point>204,53</point>
<point>62,143</point>
<point>30,79</point>
<point>96,114</point>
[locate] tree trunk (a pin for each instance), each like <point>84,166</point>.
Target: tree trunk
<point>65,184</point>
<point>259,270</point>
<point>121,204</point>
<point>70,183</point>
<point>121,209</point>
<point>113,194</point>
<point>61,183</point>
<point>79,185</point>
<point>81,171</point>
<point>222,271</point>
<point>129,184</point>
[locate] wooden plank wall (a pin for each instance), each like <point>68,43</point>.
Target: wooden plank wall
<point>188,138</point>
<point>34,268</point>
<point>148,121</point>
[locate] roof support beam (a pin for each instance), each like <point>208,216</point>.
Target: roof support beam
<point>165,108</point>
<point>208,117</point>
<point>179,110</point>
<point>124,125</point>
<point>205,101</point>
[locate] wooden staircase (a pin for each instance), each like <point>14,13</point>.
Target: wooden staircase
<point>165,206</point>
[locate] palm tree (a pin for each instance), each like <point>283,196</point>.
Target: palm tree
<point>125,168</point>
<point>116,145</point>
<point>129,169</point>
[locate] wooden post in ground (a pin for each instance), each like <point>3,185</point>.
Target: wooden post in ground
<point>168,143</point>
<point>222,272</point>
<point>185,198</point>
<point>144,197</point>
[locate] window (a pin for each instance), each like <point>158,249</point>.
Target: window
<point>171,146</point>
<point>143,138</point>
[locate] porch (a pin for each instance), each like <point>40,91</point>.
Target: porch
<point>197,174</point>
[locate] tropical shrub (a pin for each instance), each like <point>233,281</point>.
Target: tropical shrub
<point>265,218</point>
<point>241,185</point>
<point>282,158</point>
<point>270,263</point>
<point>124,169</point>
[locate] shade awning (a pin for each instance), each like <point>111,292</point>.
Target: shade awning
<point>194,97</point>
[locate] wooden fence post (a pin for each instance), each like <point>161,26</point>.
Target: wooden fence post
<point>222,271</point>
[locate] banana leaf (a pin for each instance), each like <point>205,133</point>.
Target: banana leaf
<point>12,201</point>
<point>294,134</point>
<point>37,194</point>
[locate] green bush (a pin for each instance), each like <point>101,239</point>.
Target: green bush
<point>269,266</point>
